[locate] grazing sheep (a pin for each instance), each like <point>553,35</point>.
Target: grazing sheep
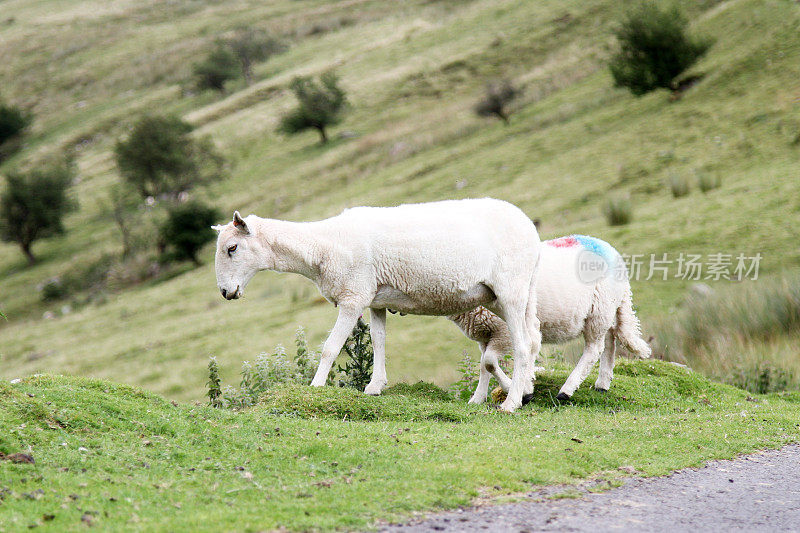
<point>438,258</point>
<point>582,288</point>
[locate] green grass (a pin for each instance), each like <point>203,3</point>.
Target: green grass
<point>412,71</point>
<point>334,458</point>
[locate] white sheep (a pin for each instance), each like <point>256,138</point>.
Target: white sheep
<point>582,288</point>
<point>438,258</point>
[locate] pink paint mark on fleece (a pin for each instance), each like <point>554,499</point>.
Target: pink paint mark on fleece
<point>562,242</point>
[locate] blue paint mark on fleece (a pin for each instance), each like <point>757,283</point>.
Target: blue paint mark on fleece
<point>599,247</point>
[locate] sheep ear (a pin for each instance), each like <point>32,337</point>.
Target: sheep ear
<point>217,228</point>
<point>239,223</point>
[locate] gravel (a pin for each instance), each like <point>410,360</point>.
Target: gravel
<point>759,492</point>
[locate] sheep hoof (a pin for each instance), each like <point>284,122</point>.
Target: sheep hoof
<point>526,398</point>
<point>373,389</point>
<point>600,389</point>
<point>508,406</point>
<point>562,397</point>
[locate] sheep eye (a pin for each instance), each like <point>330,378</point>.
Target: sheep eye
<point>232,249</point>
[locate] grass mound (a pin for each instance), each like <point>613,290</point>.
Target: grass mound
<point>405,402</point>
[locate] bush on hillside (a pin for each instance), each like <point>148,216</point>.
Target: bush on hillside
<point>122,207</point>
<point>219,66</point>
<point>160,157</point>
<point>34,203</point>
<point>618,211</point>
<point>84,274</point>
<point>253,46</point>
<point>678,185</point>
<point>496,99</point>
<point>188,227</point>
<point>13,122</point>
<point>654,49</point>
<point>320,105</point>
<point>708,182</point>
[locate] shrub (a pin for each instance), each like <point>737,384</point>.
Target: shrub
<point>267,371</point>
<point>762,378</point>
<point>219,66</point>
<point>81,276</point>
<point>188,227</point>
<point>121,207</point>
<point>319,105</point>
<point>305,360</point>
<point>253,46</point>
<point>619,211</point>
<point>653,49</point>
<point>34,203</point>
<point>496,99</point>
<point>707,182</point>
<point>160,157</point>
<point>54,289</point>
<point>357,369</point>
<point>468,380</point>
<point>679,185</point>
<point>13,122</point>
<point>733,322</point>
<point>214,391</point>
<point>271,370</point>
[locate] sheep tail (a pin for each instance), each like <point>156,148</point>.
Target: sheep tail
<point>628,330</point>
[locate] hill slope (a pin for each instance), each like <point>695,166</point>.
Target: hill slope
<point>413,71</point>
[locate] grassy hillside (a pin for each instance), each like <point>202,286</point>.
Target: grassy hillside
<point>123,459</point>
<point>413,70</point>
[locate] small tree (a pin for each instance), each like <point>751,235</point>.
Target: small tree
<point>214,385</point>
<point>33,205</point>
<point>357,367</point>
<point>219,66</point>
<point>188,227</point>
<point>319,106</point>
<point>13,122</point>
<point>496,99</point>
<point>161,157</point>
<point>654,49</point>
<point>121,207</point>
<point>253,46</point>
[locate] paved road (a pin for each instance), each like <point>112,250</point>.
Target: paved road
<point>759,492</point>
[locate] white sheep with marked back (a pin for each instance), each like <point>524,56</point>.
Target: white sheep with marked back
<point>582,288</point>
<point>438,258</point>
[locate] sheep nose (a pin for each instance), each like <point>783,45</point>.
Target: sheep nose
<point>224,293</point>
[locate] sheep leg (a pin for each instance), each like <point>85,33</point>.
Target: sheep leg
<point>490,366</point>
<point>535,335</point>
<point>377,330</point>
<point>606,364</point>
<point>591,353</point>
<point>345,322</point>
<point>482,390</point>
<point>514,316</point>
